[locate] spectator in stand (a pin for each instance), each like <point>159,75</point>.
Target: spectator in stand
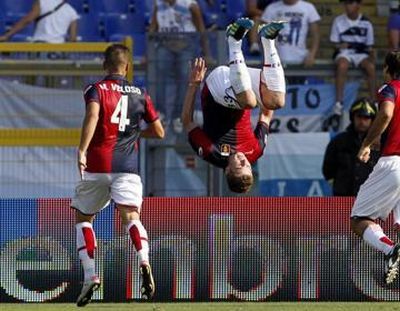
<point>353,35</point>
<point>55,21</point>
<point>254,10</point>
<point>301,17</point>
<point>341,165</point>
<point>179,23</point>
<point>394,26</point>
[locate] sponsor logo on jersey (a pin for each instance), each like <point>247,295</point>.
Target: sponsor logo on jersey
<point>225,150</point>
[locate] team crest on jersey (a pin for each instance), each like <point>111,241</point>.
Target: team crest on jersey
<point>225,150</point>
<point>200,152</point>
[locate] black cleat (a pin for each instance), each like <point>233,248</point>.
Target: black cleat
<point>148,287</point>
<point>271,30</point>
<point>239,28</point>
<point>392,264</point>
<point>89,287</point>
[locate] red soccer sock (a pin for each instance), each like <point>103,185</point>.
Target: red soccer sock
<point>86,245</point>
<point>139,238</point>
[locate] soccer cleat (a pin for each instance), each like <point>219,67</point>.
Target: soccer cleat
<point>392,264</point>
<point>271,30</point>
<point>239,28</point>
<point>87,291</point>
<point>148,287</point>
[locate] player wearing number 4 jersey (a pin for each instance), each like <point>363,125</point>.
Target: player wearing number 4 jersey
<point>108,164</point>
<point>227,139</point>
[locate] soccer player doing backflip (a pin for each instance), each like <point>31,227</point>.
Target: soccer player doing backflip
<point>380,194</point>
<point>227,139</point>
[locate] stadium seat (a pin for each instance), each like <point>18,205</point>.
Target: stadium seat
<point>81,6</point>
<point>235,9</point>
<point>139,42</point>
<point>216,14</point>
<point>120,6</point>
<point>124,24</point>
<point>90,28</point>
<point>23,35</point>
<point>15,7</point>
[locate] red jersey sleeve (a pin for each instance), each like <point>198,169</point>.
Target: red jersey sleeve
<point>150,114</point>
<point>205,148</point>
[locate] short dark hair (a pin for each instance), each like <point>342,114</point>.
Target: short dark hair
<point>115,56</point>
<point>392,61</point>
<point>239,184</point>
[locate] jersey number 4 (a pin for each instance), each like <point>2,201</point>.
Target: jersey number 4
<point>120,114</point>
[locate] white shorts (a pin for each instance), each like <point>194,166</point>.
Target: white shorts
<point>220,86</point>
<point>353,57</point>
<point>380,193</point>
<point>95,190</point>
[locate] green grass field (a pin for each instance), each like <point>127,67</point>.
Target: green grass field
<point>220,306</point>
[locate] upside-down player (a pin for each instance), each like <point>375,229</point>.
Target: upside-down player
<point>108,163</point>
<point>227,138</point>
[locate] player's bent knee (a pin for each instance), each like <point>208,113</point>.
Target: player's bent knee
<point>246,100</point>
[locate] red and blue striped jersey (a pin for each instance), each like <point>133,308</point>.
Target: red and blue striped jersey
<point>391,137</point>
<point>226,131</point>
<point>114,146</point>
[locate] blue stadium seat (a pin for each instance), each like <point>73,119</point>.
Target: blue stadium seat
<point>139,42</point>
<point>90,28</point>
<point>124,24</point>
<point>216,14</point>
<point>235,9</point>
<point>81,6</point>
<point>23,35</point>
<point>16,7</point>
<point>119,6</point>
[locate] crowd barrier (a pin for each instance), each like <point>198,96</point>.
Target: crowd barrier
<point>202,249</point>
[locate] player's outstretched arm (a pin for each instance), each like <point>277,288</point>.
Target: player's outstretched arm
<point>197,73</point>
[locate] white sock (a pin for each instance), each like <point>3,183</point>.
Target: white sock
<point>140,240</point>
<point>273,74</point>
<point>375,237</point>
<point>86,244</point>
<point>238,73</point>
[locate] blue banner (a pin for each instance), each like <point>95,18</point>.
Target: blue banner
<point>307,106</point>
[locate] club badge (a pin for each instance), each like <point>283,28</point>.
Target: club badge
<point>225,150</point>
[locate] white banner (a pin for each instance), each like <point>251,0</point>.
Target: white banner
<point>292,165</point>
<point>24,106</point>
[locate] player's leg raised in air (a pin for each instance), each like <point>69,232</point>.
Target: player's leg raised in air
<point>273,77</point>
<point>238,74</point>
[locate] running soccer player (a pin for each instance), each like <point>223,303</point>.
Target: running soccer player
<point>108,163</point>
<point>227,138</point>
<point>380,194</point>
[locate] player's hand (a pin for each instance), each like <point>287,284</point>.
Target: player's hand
<point>364,154</point>
<point>198,71</point>
<point>81,162</point>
